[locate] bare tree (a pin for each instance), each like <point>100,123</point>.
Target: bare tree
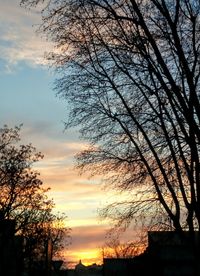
<point>130,72</point>
<point>24,199</point>
<point>114,248</point>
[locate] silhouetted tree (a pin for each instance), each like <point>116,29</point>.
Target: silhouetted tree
<point>113,248</point>
<point>130,72</point>
<point>23,199</point>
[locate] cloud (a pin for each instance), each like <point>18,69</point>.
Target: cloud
<point>74,194</point>
<point>90,236</point>
<point>18,39</point>
<point>87,242</point>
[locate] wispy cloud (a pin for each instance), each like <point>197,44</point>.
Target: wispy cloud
<point>18,39</point>
<point>76,195</point>
<point>87,242</point>
<point>90,236</point>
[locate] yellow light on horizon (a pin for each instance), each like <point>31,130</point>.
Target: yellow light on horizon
<point>87,257</point>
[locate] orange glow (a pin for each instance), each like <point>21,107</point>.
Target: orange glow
<point>87,257</point>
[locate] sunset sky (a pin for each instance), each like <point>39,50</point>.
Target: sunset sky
<point>27,97</point>
<point>137,102</point>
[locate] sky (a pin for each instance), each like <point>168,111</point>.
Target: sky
<point>27,98</point>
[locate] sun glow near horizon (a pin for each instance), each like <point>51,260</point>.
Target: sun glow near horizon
<point>87,257</point>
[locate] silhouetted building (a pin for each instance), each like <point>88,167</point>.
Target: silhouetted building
<point>173,254</point>
<point>13,261</point>
<point>70,272</point>
<point>167,254</point>
<point>11,249</point>
<point>137,266</point>
<point>83,270</point>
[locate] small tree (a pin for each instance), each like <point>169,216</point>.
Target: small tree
<point>24,200</point>
<point>113,248</point>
